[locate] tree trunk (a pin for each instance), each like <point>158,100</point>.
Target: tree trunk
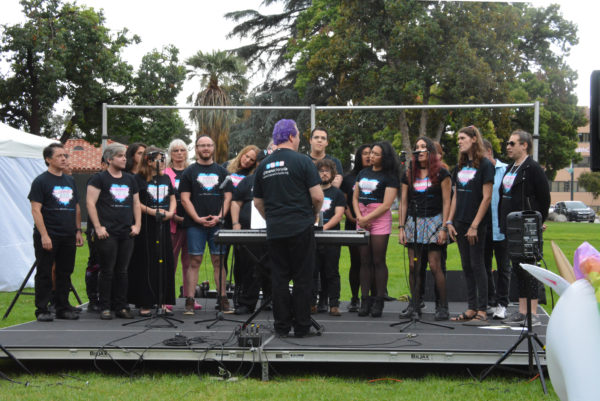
<point>35,125</point>
<point>406,145</point>
<point>440,129</point>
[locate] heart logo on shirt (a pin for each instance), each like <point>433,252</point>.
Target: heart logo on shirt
<point>326,204</point>
<point>163,190</point>
<point>176,183</point>
<point>465,175</point>
<point>236,179</point>
<point>508,181</point>
<point>208,181</point>
<point>119,192</point>
<point>421,184</point>
<point>63,194</point>
<point>367,185</point>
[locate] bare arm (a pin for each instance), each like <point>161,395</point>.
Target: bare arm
<point>259,204</point>
<point>337,181</point>
<point>337,217</point>
<point>91,199</point>
<point>451,213</point>
<point>483,207</point>
<point>316,196</point>
<point>78,236</point>
<point>443,235</point>
<point>402,211</point>
<point>236,207</point>
<point>137,216</point>
<point>189,208</point>
<point>355,203</point>
<point>38,220</point>
<point>388,198</point>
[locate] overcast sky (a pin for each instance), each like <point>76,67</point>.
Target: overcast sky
<point>193,25</point>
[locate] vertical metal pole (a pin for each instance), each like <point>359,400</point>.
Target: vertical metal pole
<point>104,125</point>
<point>572,178</point>
<point>536,130</point>
<point>313,117</point>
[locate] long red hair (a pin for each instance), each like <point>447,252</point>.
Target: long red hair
<point>433,163</point>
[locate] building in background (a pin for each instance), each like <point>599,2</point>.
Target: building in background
<point>560,188</point>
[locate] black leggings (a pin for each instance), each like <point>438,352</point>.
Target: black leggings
<point>434,257</point>
<point>373,268</point>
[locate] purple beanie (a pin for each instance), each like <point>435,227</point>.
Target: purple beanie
<point>282,131</point>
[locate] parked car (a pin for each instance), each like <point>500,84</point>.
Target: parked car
<point>551,208</point>
<point>575,211</point>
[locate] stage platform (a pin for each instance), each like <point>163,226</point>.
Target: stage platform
<point>345,339</point>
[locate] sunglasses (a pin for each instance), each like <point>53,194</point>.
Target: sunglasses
<point>511,143</point>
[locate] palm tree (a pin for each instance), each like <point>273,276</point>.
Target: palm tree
<point>222,75</point>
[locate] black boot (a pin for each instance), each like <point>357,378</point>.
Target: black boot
<point>441,312</point>
<point>408,312</point>
<point>354,303</point>
<point>365,306</point>
<point>377,308</point>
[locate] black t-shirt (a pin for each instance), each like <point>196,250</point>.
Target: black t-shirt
<point>238,176</point>
<point>178,175</point>
<point>243,193</point>
<point>58,196</point>
<point>283,180</point>
<point>202,182</point>
<point>333,198</point>
<point>115,202</point>
<point>153,193</point>
<point>347,188</point>
<point>372,185</point>
<point>338,164</point>
<point>425,196</point>
<point>469,183</point>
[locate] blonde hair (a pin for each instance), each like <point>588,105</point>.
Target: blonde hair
<point>234,165</point>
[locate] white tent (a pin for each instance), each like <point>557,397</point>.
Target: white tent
<point>20,162</point>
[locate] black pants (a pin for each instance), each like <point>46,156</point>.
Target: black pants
<point>497,291</point>
<point>253,274</point>
<point>472,263</point>
<point>292,258</point>
<point>424,259</point>
<point>63,255</point>
<point>327,268</point>
<point>93,268</point>
<point>113,255</point>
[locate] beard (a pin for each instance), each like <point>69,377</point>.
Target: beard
<point>205,158</point>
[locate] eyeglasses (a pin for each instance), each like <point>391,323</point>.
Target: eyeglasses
<point>511,143</point>
<point>178,150</point>
<point>205,145</point>
<point>324,171</point>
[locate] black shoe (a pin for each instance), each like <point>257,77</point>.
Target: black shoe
<point>106,314</point>
<point>407,312</point>
<point>441,313</point>
<point>354,305</point>
<point>67,314</point>
<point>322,308</point>
<point>305,334</point>
<point>93,307</point>
<point>75,308</point>
<point>45,317</point>
<point>387,298</point>
<point>242,310</point>
<point>124,314</point>
<point>365,306</point>
<point>377,308</point>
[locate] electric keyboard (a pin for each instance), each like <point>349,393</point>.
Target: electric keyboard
<point>329,237</point>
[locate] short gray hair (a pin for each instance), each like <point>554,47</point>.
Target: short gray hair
<point>177,143</point>
<point>112,150</point>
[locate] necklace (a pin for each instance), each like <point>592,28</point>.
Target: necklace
<point>514,170</point>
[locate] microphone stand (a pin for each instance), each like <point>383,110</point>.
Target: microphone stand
<point>159,312</point>
<point>220,316</point>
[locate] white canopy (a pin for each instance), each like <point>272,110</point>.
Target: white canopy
<point>20,162</point>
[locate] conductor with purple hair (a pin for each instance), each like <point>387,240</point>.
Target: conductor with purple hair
<point>287,193</point>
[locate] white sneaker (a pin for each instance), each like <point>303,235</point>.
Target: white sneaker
<point>500,312</point>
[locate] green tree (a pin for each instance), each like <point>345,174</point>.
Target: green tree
<point>222,78</point>
<point>62,53</point>
<point>591,182</point>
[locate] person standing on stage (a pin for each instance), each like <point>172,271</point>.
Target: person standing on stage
<point>149,261</point>
<point>287,193</point>
<point>375,190</point>
<point>56,233</point>
<point>524,187</point>
<point>495,244</point>
<point>206,198</point>
<point>319,140</point>
<point>361,160</point>
<point>424,208</point>
<point>113,206</point>
<point>328,256</point>
<point>473,179</point>
<point>134,155</point>
<point>177,162</point>
<point>251,261</point>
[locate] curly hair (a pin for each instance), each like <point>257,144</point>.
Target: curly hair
<point>358,163</point>
<point>389,159</point>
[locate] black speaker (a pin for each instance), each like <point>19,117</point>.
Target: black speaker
<point>595,121</point>
<point>524,235</point>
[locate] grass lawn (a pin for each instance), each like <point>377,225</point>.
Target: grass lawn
<point>410,382</point>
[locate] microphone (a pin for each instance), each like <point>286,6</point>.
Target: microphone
<point>417,152</point>
<point>225,181</point>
